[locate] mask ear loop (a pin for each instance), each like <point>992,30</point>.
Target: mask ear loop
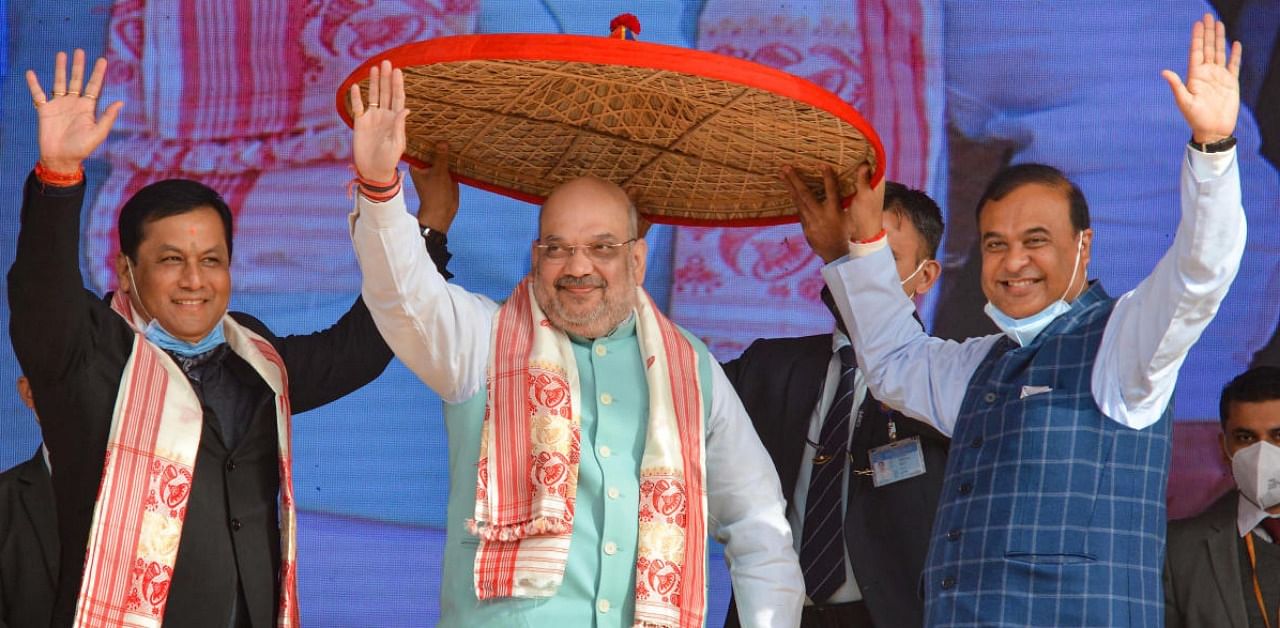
<point>133,286</point>
<point>913,274</point>
<point>1075,268</point>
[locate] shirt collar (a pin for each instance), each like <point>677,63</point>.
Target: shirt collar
<point>839,341</point>
<point>1248,516</point>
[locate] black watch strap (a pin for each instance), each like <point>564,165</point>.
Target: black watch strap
<point>438,249</point>
<point>1221,146</point>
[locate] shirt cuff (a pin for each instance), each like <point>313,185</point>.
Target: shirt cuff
<point>1209,166</point>
<point>863,249</point>
<point>380,215</point>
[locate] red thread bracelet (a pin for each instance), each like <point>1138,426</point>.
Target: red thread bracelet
<point>59,179</point>
<point>377,186</point>
<point>379,192</point>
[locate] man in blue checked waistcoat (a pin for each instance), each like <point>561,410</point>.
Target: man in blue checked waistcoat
<point>1053,506</point>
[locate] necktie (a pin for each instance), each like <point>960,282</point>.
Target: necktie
<point>822,545</point>
<point>1272,526</point>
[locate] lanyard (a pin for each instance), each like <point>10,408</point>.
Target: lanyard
<point>1257,587</point>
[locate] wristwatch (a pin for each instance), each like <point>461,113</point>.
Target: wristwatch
<point>1221,146</point>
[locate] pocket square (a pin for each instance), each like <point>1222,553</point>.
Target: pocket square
<point>1028,391</point>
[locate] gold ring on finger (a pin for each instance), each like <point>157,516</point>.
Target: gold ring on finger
<point>77,94</point>
<point>373,105</point>
<point>59,94</point>
<point>91,96</point>
<point>37,103</point>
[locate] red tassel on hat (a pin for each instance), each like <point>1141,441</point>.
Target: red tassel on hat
<point>625,26</point>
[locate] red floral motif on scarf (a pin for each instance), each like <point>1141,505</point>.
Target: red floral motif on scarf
<point>659,577</point>
<point>175,486</point>
<point>551,470</point>
<point>552,393</point>
<point>155,583</point>
<point>667,497</point>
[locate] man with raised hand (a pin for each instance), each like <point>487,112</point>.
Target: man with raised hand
<point>166,416</point>
<point>861,529</point>
<point>1053,507</point>
<point>593,444</point>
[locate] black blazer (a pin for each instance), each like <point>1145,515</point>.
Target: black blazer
<point>28,545</point>
<point>73,348</point>
<point>1202,570</point>
<point>886,529</point>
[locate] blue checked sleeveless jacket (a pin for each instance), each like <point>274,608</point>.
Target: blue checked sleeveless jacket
<point>1051,513</point>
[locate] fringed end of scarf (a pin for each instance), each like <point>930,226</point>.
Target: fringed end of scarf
<point>538,526</point>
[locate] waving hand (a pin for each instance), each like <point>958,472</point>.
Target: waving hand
<point>1210,99</point>
<point>69,128</point>
<point>379,137</point>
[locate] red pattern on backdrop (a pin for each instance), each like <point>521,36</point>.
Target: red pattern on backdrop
<point>232,94</point>
<point>875,56</point>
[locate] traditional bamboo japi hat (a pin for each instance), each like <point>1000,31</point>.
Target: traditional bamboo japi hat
<point>695,138</point>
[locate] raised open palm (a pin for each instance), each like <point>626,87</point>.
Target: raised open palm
<point>378,140</point>
<point>69,128</point>
<point>1210,99</point>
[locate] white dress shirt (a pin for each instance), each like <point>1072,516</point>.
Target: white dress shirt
<point>849,591</point>
<point>442,333</point>
<point>1145,341</point>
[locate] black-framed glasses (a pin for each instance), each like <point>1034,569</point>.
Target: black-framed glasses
<point>596,251</point>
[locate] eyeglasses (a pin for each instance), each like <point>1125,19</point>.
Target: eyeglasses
<point>596,251</point>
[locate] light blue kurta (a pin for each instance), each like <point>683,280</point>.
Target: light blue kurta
<point>599,583</point>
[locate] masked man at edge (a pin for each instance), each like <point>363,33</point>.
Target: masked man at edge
<point>586,412</point>
<point>167,416</point>
<point>1053,507</point>
<point>1223,566</point>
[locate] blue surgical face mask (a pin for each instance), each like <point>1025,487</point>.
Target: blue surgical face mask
<point>1024,330</point>
<point>160,337</point>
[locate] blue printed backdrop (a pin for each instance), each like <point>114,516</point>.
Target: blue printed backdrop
<point>241,95</point>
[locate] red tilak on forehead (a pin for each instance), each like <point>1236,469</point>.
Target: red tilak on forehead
<point>193,231</point>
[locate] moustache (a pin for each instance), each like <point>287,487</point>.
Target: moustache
<point>589,281</point>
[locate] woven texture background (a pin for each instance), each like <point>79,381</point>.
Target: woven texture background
<point>687,149</point>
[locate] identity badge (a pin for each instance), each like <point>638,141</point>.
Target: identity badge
<point>899,460</point>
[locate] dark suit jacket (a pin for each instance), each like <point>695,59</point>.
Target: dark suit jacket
<point>1202,585</point>
<point>73,347</point>
<point>887,528</point>
<point>28,545</point>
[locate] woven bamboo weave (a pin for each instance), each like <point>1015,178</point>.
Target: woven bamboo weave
<point>688,149</point>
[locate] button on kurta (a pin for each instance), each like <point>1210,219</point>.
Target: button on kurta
<point>606,398</point>
<point>235,525</point>
<point>603,606</point>
<point>601,350</point>
<point>948,582</point>
<point>610,548</point>
<point>613,492</point>
<point>605,452</point>
<point>989,397</point>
